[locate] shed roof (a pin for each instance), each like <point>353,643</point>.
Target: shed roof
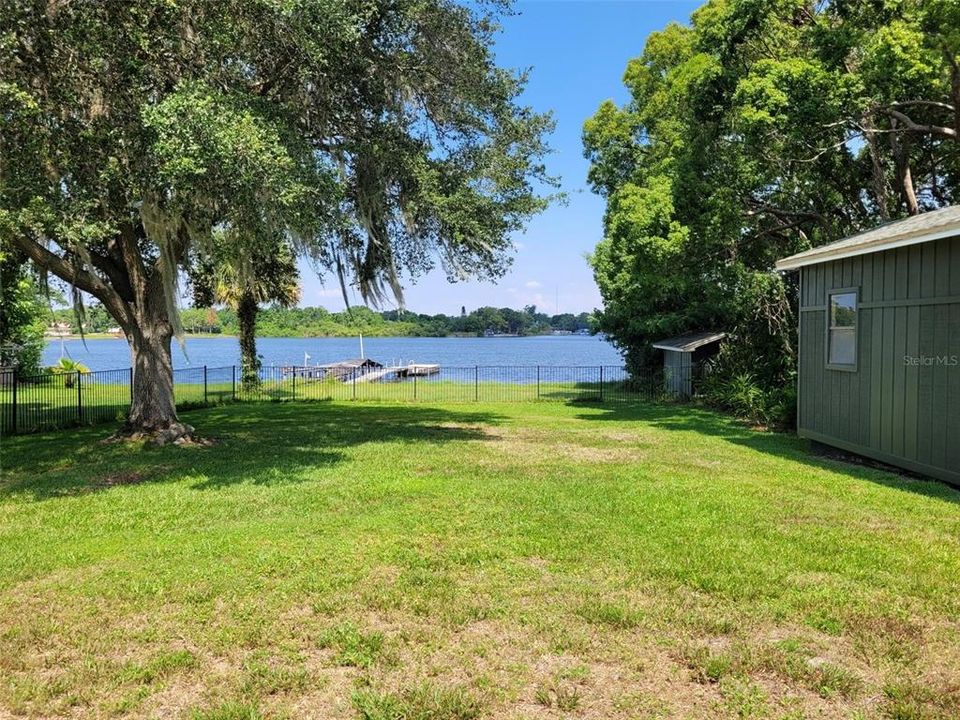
<point>921,228</point>
<point>689,342</point>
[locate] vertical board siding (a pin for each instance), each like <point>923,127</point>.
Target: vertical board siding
<point>898,388</point>
<point>938,456</point>
<point>911,384</point>
<point>953,390</point>
<point>876,376</point>
<point>925,393</point>
<point>889,405</point>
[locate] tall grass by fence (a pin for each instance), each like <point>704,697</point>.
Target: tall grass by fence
<point>50,401</point>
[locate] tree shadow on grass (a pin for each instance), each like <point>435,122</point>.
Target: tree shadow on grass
<point>262,443</point>
<point>691,418</point>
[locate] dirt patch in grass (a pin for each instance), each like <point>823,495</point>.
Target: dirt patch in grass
<point>521,444</point>
<point>125,478</point>
<point>512,670</point>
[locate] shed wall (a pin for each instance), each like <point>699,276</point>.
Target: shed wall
<point>678,371</point>
<point>889,408</point>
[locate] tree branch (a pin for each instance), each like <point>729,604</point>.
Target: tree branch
<point>132,260</point>
<point>760,206</point>
<point>924,103</point>
<point>83,279</point>
<point>912,126</point>
<point>115,271</point>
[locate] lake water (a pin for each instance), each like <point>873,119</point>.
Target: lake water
<point>111,353</point>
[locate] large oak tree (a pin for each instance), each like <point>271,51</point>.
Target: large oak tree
<point>379,138</point>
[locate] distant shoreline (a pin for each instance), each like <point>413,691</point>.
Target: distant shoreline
<point>205,336</point>
<point>114,336</point>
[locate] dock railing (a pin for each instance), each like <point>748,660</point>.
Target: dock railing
<point>32,403</point>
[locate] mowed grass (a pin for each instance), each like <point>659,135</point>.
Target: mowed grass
<point>540,560</point>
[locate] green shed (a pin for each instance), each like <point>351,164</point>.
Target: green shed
<point>879,343</point>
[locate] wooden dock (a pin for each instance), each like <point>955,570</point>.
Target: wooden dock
<point>420,370</point>
<point>372,375</point>
<point>353,372</point>
<point>401,371</point>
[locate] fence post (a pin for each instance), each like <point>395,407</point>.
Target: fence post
<point>205,402</point>
<point>79,400</point>
<point>13,424</point>
<point>538,382</point>
<point>354,383</point>
<point>233,382</point>
<point>476,382</point>
<point>601,383</point>
<point>294,382</point>
<point>414,386</point>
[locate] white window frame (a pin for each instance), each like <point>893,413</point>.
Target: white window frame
<point>855,291</point>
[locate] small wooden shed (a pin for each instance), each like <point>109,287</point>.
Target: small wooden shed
<point>682,355</point>
<point>879,334</point>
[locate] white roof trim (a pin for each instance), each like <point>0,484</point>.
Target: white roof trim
<point>885,237</point>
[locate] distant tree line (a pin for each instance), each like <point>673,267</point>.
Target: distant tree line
<point>275,321</point>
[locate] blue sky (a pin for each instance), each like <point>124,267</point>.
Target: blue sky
<point>578,52</point>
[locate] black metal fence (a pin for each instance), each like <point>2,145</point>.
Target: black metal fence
<point>50,401</point>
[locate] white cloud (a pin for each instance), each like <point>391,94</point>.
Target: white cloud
<point>327,293</point>
<point>532,284</point>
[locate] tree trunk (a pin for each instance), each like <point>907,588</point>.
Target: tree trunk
<point>153,410</point>
<point>901,155</point>
<point>247,321</point>
<point>909,194</point>
<point>152,407</point>
<point>134,294</point>
<point>879,176</point>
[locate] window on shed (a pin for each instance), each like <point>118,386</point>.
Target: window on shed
<point>842,336</point>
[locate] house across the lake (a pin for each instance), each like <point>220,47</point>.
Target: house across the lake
<point>58,329</point>
<point>879,341</point>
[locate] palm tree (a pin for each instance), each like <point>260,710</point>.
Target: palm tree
<point>69,369</point>
<point>244,282</point>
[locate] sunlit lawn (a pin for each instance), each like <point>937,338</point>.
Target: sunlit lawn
<point>348,560</point>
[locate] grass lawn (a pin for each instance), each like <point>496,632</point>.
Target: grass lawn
<point>539,560</point>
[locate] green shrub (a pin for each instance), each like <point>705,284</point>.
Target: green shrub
<point>229,711</point>
<point>422,703</point>
<point>353,648</point>
<point>743,395</point>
